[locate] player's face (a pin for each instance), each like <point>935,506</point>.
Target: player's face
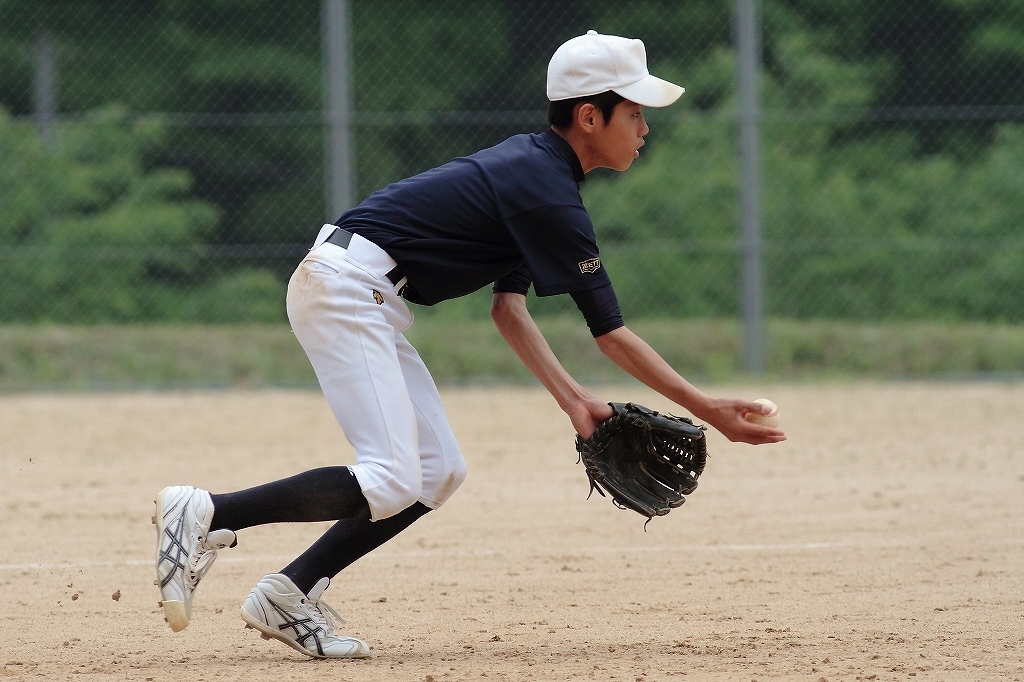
<point>619,142</point>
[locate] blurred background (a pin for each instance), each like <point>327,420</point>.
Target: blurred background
<point>839,191</point>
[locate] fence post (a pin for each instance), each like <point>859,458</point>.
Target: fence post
<point>749,49</point>
<point>339,152</point>
<point>44,88</point>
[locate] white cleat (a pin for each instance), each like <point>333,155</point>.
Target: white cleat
<point>185,548</point>
<point>278,609</point>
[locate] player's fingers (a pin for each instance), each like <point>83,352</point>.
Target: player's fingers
<point>772,438</point>
<point>775,436</point>
<point>758,434</point>
<point>746,406</point>
<point>762,440</point>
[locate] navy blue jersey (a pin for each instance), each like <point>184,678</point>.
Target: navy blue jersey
<point>515,207</point>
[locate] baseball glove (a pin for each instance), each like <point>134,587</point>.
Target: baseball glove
<point>647,461</point>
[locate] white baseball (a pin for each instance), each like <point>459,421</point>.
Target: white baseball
<point>771,419</point>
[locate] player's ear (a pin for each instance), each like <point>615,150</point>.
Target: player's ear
<point>588,116</point>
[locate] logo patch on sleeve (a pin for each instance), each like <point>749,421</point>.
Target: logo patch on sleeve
<point>590,266</point>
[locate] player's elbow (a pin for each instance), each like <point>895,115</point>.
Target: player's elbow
<point>506,307</point>
<point>610,344</point>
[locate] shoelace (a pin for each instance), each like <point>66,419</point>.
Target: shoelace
<point>197,567</point>
<point>328,617</point>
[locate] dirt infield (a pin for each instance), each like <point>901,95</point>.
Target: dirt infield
<point>883,541</point>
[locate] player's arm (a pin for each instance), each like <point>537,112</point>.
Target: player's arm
<point>517,327</point>
<point>631,353</point>
<point>600,308</point>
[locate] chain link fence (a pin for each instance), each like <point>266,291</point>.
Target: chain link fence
<point>172,159</point>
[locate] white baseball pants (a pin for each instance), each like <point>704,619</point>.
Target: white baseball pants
<point>349,319</point>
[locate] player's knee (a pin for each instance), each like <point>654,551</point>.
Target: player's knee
<point>455,474</point>
<point>459,475</point>
<point>391,491</point>
<point>456,477</point>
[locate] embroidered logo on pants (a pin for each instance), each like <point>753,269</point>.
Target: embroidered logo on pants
<point>378,297</point>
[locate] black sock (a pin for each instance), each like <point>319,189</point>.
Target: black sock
<point>346,541</point>
<point>324,494</point>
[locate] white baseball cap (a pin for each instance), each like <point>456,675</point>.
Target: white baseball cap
<point>595,63</point>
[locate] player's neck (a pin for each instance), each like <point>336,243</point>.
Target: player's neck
<point>578,141</point>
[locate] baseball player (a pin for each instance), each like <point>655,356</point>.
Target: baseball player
<point>511,215</point>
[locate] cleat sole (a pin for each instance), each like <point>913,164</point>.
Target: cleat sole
<point>266,633</point>
<point>175,615</point>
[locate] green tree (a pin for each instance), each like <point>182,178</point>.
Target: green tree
<point>90,231</point>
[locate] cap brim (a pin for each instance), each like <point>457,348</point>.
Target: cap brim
<point>651,91</point>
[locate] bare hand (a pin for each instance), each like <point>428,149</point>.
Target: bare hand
<point>727,416</point>
<point>587,414</point>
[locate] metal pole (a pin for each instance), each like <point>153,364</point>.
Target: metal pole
<point>336,49</point>
<point>749,48</point>
<point>44,89</point>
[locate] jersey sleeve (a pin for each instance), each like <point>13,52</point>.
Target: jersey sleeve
<point>559,249</point>
<point>600,308</point>
<point>516,282</point>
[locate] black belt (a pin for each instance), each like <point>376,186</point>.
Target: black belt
<point>342,237</point>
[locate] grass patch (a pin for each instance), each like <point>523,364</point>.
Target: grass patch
<point>169,356</point>
<point>139,356</point>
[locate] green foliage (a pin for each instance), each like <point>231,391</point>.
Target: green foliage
<point>862,218</point>
<point>89,231</point>
<point>857,225</point>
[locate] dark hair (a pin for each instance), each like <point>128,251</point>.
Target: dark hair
<point>560,112</point>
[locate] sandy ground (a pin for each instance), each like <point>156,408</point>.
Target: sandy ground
<point>883,541</point>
